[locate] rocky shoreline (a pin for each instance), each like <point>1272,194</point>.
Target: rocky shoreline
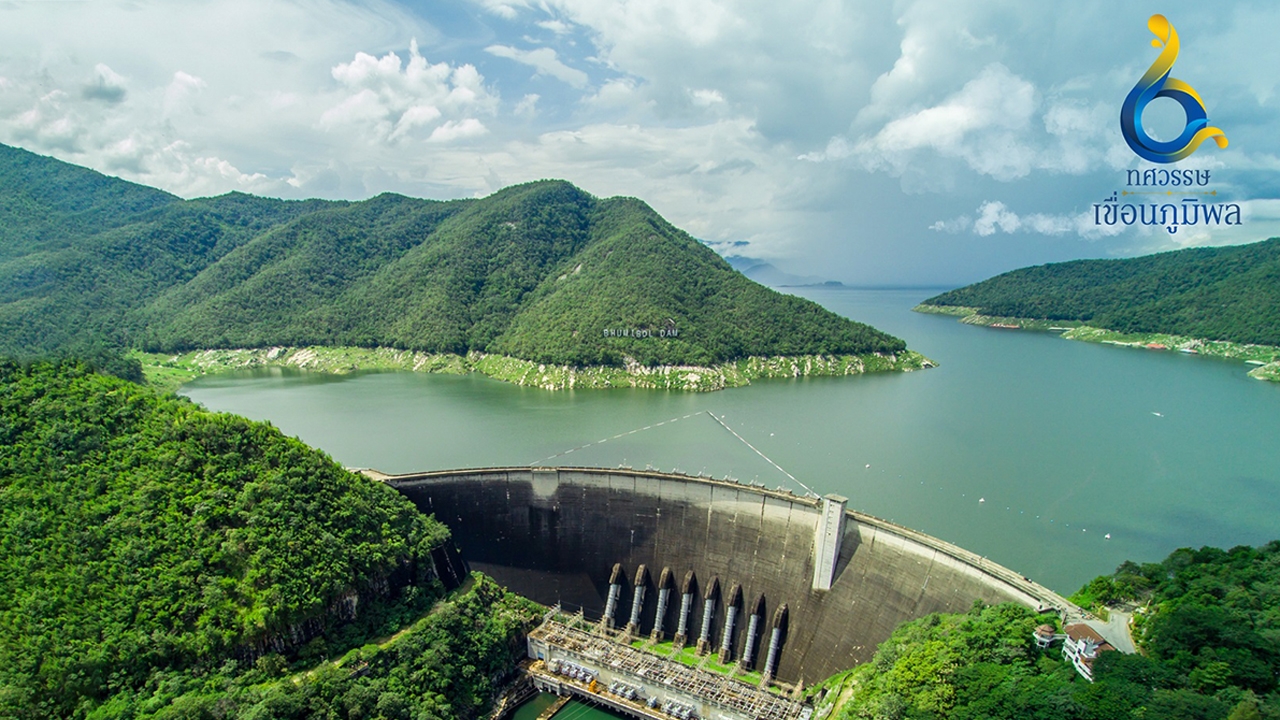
<point>1265,357</point>
<point>171,371</point>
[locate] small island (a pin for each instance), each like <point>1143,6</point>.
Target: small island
<point>1217,301</point>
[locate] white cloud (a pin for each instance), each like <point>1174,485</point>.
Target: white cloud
<point>206,110</point>
<point>706,98</point>
<point>528,106</point>
<point>837,148</point>
<point>994,216</point>
<point>983,124</point>
<point>415,117</point>
<point>559,27</point>
<point>508,9</point>
<point>954,225</point>
<point>179,165</point>
<point>700,107</point>
<point>995,100</point>
<point>544,60</point>
<point>457,130</point>
<point>390,102</point>
<point>50,123</point>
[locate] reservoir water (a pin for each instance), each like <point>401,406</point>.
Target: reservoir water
<point>1023,447</point>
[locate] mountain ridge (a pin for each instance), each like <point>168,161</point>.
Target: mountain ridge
<point>1219,301</point>
<point>542,272</point>
<point>1229,293</point>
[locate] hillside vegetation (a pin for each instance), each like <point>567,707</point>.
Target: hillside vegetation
<point>446,666</point>
<point>143,538</point>
<point>542,272</point>
<point>1210,638</point>
<point>1216,293</point>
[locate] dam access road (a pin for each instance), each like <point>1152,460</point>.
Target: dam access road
<point>555,535</point>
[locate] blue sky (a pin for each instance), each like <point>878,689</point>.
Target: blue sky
<point>911,142</point>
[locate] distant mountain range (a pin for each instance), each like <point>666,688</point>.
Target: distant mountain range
<point>541,271</point>
<point>1215,293</point>
<point>768,274</point>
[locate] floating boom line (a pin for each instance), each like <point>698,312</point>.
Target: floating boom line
<point>766,457</point>
<point>677,419</point>
<point>615,437</point>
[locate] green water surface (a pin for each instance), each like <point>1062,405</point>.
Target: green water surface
<point>1023,447</point>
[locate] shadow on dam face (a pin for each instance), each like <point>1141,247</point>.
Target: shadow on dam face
<point>554,535</point>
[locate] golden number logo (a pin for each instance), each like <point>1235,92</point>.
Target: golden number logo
<point>1156,83</point>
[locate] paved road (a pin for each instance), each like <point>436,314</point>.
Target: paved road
<point>1115,630</point>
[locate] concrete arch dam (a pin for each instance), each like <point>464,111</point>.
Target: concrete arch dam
<point>847,579</point>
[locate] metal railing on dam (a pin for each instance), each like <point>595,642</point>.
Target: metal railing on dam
<point>556,534</point>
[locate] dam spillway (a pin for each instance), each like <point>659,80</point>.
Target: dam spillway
<point>555,535</point>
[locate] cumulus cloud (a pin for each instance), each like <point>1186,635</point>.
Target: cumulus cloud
<point>181,165</point>
<point>995,100</point>
<point>456,130</point>
<point>50,123</point>
<point>793,127</point>
<point>697,176</point>
<point>391,100</point>
<point>997,125</point>
<point>206,110</point>
<point>544,60</point>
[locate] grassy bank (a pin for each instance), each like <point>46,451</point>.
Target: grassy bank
<point>171,371</point>
<point>1266,357</point>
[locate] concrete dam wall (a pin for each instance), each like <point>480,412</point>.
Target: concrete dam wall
<point>556,534</point>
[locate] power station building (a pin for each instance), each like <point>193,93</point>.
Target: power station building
<point>573,661</point>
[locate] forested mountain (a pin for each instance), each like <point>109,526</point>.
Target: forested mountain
<point>1208,630</point>
<point>541,271</point>
<point>1215,293</point>
<point>142,538</point>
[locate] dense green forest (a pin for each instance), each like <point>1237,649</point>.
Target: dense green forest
<point>1209,635</point>
<point>541,271</point>
<point>144,540</point>
<point>1214,293</point>
<point>446,665</point>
